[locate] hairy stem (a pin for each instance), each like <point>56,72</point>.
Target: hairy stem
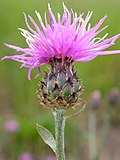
<point>59,134</point>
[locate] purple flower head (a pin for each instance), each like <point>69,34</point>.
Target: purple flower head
<point>11,126</point>
<point>69,35</point>
<point>25,156</point>
<point>49,158</point>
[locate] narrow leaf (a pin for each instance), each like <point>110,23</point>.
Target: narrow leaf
<point>47,137</point>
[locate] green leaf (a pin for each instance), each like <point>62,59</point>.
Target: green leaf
<point>47,137</point>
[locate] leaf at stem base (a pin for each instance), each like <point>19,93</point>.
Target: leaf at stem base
<point>47,137</point>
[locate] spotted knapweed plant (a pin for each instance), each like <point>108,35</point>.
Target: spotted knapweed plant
<point>61,42</point>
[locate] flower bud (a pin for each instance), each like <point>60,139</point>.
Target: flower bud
<point>95,100</point>
<point>113,97</point>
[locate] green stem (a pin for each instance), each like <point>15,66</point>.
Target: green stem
<point>59,134</point>
<point>92,135</point>
<point>105,129</point>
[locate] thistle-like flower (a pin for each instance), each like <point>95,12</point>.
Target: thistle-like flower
<point>67,39</point>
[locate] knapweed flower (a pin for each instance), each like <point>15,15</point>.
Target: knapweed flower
<point>66,39</point>
<point>25,156</point>
<point>11,126</point>
<point>68,36</point>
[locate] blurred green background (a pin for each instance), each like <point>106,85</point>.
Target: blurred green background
<point>17,94</point>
